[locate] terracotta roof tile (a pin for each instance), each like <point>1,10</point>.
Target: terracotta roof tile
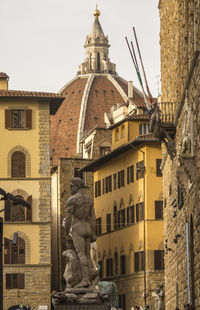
<point>21,93</point>
<point>3,75</point>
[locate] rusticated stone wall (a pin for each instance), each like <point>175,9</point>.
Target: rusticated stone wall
<point>180,77</point>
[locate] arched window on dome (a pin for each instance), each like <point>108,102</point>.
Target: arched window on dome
<point>98,62</point>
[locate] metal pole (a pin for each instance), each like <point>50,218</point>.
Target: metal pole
<point>188,261</point>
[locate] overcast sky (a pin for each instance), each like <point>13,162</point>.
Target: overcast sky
<point>42,40</point>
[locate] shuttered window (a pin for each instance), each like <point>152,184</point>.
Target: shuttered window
<point>108,217</point>
<point>158,209</point>
<point>18,213</point>
<point>115,217</point>
<point>18,165</point>
<point>98,226</point>
<point>139,261</point>
<point>109,267</point>
<point>159,260</point>
<point>15,281</point>
<point>139,211</point>
<point>158,170</point>
<point>14,255</point>
<point>123,264</point>
<point>18,119</point>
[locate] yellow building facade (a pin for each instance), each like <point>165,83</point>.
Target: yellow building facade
<point>25,173</point>
<point>128,206</point>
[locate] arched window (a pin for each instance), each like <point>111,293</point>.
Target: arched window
<point>122,214</point>
<point>18,213</point>
<point>131,260</point>
<point>14,254</point>
<point>98,62</point>
<point>123,132</point>
<point>115,215</point>
<point>109,265</point>
<point>122,262</point>
<point>18,165</point>
<point>115,264</point>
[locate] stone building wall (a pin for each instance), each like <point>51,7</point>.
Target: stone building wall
<point>180,75</point>
<point>37,286</point>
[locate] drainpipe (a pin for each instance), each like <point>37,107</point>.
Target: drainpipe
<point>188,261</point>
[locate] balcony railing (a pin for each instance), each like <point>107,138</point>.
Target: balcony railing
<point>168,111</point>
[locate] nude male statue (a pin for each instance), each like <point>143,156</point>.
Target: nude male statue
<point>80,222</point>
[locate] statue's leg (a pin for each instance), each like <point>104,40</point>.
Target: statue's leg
<point>79,244</point>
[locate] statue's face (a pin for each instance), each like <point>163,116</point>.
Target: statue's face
<point>73,188</point>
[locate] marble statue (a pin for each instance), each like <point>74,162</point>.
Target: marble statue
<point>160,295</point>
<point>80,223</point>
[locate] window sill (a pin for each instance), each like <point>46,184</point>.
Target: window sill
<point>18,129</point>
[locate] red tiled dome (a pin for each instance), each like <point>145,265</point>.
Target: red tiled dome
<point>87,97</point>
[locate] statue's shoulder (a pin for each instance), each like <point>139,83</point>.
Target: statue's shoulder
<point>72,199</point>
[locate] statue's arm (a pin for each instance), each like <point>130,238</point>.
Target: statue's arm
<point>69,214</point>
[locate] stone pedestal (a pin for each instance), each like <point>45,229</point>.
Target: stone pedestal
<point>81,307</point>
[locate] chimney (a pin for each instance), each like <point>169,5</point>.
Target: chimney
<point>3,81</point>
<point>130,89</point>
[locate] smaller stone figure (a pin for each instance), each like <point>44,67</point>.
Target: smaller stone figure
<point>160,295</point>
<point>72,274</point>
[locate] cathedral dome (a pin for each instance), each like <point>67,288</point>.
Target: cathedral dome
<point>95,89</point>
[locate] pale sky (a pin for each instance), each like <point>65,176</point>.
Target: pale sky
<point>42,40</point>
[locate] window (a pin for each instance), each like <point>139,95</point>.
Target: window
<point>121,178</point>
<point>116,134</point>
<point>15,281</point>
<point>109,267</point>
<point>104,150</point>
<point>103,186</point>
<point>139,261</point>
<point>123,217</point>
<point>159,260</point>
<point>114,181</point>
<point>119,218</point>
<point>18,165</point>
<point>140,170</point>
<point>139,211</point>
<point>100,269</point>
<point>115,217</point>
<point>158,170</point>
<point>109,184</point>
<point>98,226</point>
<point>98,188</point>
<point>132,214</point>
<point>18,213</point>
<point>180,197</point>
<point>158,209</point>
<point>116,263</point>
<point>18,119</point>
<point>122,302</point>
<point>128,215</point>
<point>14,255</point>
<point>130,174</point>
<point>143,129</point>
<point>123,264</point>
<point>108,217</point>
<point>123,131</point>
<point>79,174</point>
